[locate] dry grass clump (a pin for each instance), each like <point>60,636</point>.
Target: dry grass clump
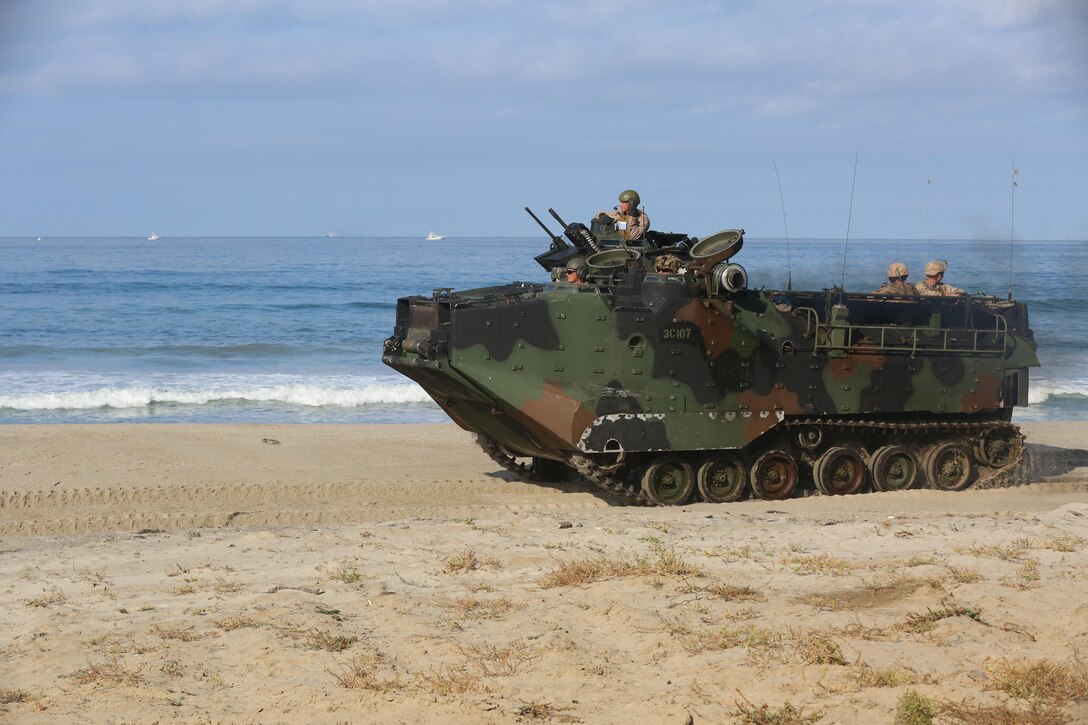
<point>1037,714</point>
<point>748,713</point>
<point>1027,576</point>
<point>545,711</point>
<point>109,672</point>
<point>451,681</point>
<point>54,597</point>
<point>9,697</point>
<point>1042,681</point>
<point>494,661</point>
<point>466,561</point>
<point>963,574</point>
<point>362,673</point>
<point>856,630</point>
<point>473,608</point>
<point>316,639</point>
<point>1005,553</point>
<point>579,573</point>
<point>183,634</point>
<point>348,576</point>
<point>706,640</point>
<point>865,676</point>
<point>815,648</point>
<point>731,593</point>
<point>920,561</point>
<point>920,623</point>
<point>1062,542</point>
<point>823,564</point>
<point>232,623</point>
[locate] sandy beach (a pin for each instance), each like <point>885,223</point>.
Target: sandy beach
<point>316,573</point>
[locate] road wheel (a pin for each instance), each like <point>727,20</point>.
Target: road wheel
<point>894,468</point>
<point>774,475</point>
<point>948,467</point>
<point>998,448</point>
<point>839,472</point>
<point>723,478</point>
<point>669,482</point>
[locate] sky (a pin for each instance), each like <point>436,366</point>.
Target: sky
<point>885,119</point>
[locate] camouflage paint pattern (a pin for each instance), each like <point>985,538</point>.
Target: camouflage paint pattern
<point>653,362</point>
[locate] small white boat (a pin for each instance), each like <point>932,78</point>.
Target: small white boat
<point>153,237</point>
<point>432,237</point>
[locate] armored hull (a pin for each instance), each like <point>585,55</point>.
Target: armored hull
<point>658,385</point>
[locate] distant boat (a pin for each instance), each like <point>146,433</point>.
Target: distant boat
<point>329,235</point>
<point>153,237</point>
<point>432,237</point>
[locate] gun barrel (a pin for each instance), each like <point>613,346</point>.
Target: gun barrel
<point>557,218</point>
<point>558,241</point>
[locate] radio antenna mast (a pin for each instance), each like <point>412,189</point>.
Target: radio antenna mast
<point>925,246</point>
<point>849,217</point>
<point>1012,220</point>
<point>782,199</point>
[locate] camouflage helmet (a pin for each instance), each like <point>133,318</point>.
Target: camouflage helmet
<point>631,196</point>
<point>935,267</point>
<point>668,263</point>
<point>897,269</point>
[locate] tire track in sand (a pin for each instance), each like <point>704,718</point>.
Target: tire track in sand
<point>96,510</point>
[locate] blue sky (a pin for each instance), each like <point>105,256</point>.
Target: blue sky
<point>296,117</point>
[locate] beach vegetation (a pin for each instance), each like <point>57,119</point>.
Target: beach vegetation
<point>55,596</point>
<point>1027,576</point>
<point>735,593</point>
<point>348,576</point>
<point>1006,714</point>
<point>816,648</point>
<point>364,672</point>
<point>1041,681</point>
<point>963,575</point>
<point>451,681</point>
<point>748,713</point>
<point>110,671</point>
<point>587,571</point>
<point>466,560</point>
<point>183,634</point>
<point>1005,553</point>
<point>497,661</point>
<point>317,639</point>
<point>914,708</point>
<point>919,623</point>
<point>476,608</point>
<point>822,564</point>
<point>9,697</point>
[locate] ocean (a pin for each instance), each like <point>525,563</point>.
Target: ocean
<point>290,330</point>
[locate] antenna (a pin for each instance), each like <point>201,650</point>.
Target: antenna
<point>782,199</point>
<point>925,246</point>
<point>849,216</point>
<point>1012,220</point>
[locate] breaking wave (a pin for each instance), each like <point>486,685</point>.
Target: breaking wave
<point>129,396</point>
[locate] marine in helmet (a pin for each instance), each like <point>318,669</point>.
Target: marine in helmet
<point>631,222</point>
<point>933,285</point>
<point>576,271</point>
<point>897,281</point>
<point>667,264</point>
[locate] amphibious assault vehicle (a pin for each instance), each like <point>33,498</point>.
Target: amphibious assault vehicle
<point>655,385</point>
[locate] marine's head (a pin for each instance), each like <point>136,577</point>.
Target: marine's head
<point>935,268</point>
<point>667,264</point>
<point>897,270</point>
<point>631,199</point>
<point>577,269</point>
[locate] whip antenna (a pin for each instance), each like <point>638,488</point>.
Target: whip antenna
<point>925,244</point>
<point>1012,220</point>
<point>849,216</point>
<point>782,199</point>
